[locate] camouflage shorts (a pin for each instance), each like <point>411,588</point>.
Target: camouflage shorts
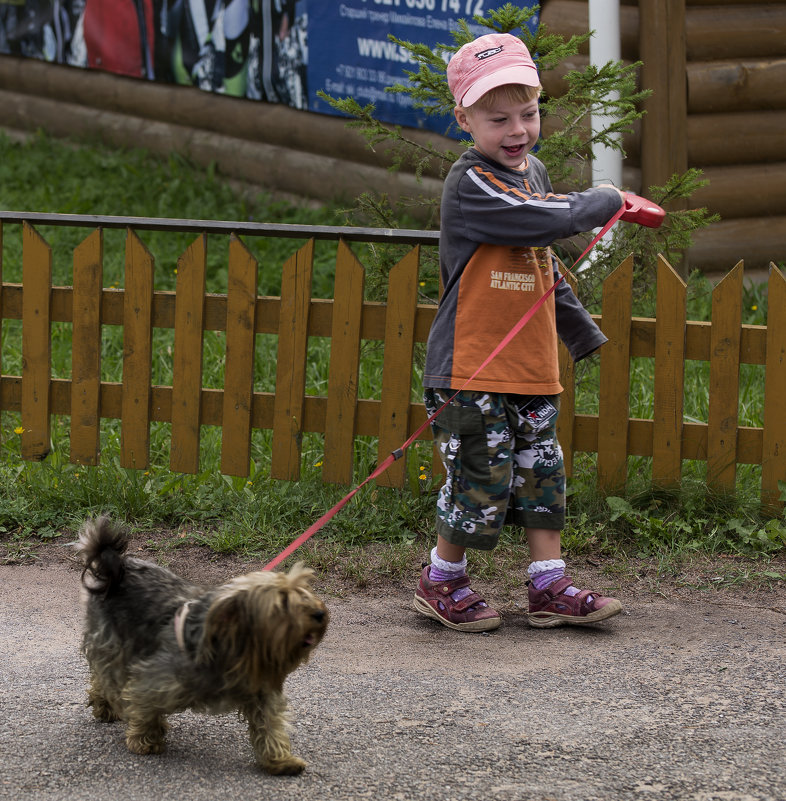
<point>502,463</point>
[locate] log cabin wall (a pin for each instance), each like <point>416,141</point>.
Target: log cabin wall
<point>271,145</point>
<point>718,73</point>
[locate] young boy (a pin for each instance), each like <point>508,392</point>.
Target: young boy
<point>497,438</point>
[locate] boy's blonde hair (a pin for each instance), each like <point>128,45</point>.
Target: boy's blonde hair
<point>509,92</point>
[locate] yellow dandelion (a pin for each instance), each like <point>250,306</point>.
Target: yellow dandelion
<point>19,430</point>
<point>317,464</point>
<point>754,308</point>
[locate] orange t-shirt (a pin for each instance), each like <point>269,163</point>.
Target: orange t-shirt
<point>500,284</point>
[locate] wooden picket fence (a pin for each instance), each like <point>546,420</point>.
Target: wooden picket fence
<point>348,320</point>
<point>670,339</point>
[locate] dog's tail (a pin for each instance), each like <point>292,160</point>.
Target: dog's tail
<point>100,548</point>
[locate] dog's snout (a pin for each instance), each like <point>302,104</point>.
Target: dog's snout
<point>318,615</point>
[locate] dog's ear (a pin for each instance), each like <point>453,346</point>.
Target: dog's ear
<point>301,575</point>
<point>225,620</point>
<point>226,643</point>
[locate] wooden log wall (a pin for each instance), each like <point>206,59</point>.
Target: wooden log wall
<point>735,99</point>
<point>274,146</point>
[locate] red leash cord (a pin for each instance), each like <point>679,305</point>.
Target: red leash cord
<point>399,452</point>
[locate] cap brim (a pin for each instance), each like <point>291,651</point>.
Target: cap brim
<point>521,74</point>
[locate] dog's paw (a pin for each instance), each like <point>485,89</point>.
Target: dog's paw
<point>287,766</point>
<point>144,745</point>
<point>104,712</point>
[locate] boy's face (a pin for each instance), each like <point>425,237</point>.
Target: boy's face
<point>506,132</point>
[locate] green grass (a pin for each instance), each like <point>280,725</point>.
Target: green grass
<point>380,530</point>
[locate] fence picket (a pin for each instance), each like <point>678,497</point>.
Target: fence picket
<point>773,466</point>
<point>670,319</point>
<point>291,363</point>
<point>399,344</point>
<point>137,354</point>
<point>344,367</point>
<point>239,367</point>
<point>724,381</point>
<point>613,407</point>
<point>86,350</point>
<point>187,358</point>
<point>36,344</point>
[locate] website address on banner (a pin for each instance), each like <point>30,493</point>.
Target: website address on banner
<point>379,48</point>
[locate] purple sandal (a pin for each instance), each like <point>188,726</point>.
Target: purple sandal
<point>472,613</point>
<point>552,607</point>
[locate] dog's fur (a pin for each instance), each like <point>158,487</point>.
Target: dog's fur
<point>157,644</point>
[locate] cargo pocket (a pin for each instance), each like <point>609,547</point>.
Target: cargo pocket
<point>467,428</point>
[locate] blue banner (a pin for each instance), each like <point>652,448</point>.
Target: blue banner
<point>350,54</point>
<point>278,51</point>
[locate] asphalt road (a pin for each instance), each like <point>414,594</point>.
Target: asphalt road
<point>671,700</point>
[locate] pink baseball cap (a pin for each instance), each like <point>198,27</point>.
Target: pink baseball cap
<point>490,61</point>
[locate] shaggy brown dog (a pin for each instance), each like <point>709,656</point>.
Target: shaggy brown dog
<point>157,644</point>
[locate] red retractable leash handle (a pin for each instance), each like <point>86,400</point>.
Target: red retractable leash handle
<point>635,209</point>
<point>642,211</point>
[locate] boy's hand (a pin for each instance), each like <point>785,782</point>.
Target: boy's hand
<point>611,186</point>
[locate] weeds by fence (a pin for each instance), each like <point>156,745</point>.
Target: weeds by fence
<point>297,320</point>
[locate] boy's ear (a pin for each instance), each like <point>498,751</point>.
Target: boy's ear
<point>462,119</point>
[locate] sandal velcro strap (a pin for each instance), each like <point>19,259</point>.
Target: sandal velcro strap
<point>584,599</point>
<point>449,587</point>
<point>587,599</point>
<point>467,603</point>
<point>559,586</point>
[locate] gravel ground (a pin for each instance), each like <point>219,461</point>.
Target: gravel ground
<point>678,698</point>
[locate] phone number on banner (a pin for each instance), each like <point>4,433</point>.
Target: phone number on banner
<point>468,7</point>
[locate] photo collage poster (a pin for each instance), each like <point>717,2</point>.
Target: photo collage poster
<point>278,51</point>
